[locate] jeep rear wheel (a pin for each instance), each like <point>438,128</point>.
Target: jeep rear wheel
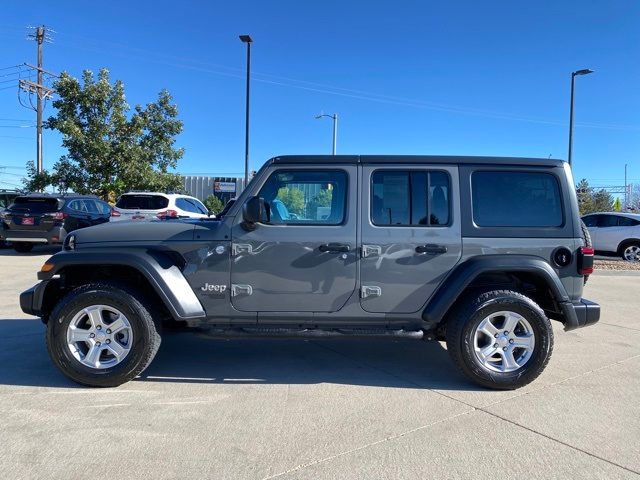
<point>500,339</point>
<point>102,335</point>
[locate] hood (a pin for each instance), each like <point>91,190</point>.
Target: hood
<point>164,231</point>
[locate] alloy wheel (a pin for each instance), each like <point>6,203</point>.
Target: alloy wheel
<point>99,336</point>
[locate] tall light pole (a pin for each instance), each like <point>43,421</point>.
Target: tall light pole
<point>335,129</point>
<point>584,71</point>
<point>247,39</point>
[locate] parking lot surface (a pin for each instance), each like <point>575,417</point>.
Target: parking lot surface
<point>378,409</point>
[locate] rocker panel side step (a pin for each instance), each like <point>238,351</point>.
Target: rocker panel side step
<point>256,332</point>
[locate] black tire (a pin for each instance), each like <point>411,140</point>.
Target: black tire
<point>464,320</point>
<point>624,246</point>
<point>22,247</point>
<point>146,339</point>
<point>586,237</point>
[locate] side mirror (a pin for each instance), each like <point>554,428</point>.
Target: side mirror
<point>253,211</point>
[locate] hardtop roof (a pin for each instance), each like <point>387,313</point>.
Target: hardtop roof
<point>414,159</point>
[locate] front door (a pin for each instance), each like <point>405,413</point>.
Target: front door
<point>304,257</point>
<point>410,234</point>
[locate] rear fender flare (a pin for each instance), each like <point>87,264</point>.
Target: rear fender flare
<point>466,272</point>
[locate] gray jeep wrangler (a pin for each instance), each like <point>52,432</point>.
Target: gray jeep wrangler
<point>478,251</point>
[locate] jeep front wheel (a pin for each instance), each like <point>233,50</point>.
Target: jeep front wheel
<point>102,335</point>
<point>500,339</point>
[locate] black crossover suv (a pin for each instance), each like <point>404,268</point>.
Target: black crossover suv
<point>45,219</point>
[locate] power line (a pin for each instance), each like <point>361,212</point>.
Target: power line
<point>339,91</point>
<point>40,35</point>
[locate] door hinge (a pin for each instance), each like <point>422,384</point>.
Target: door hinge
<point>370,291</point>
<point>241,290</point>
<point>238,248</point>
<point>371,250</point>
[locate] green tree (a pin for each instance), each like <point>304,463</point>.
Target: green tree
<point>585,197</point>
<point>322,199</point>
<point>617,205</point>
<point>111,150</point>
<point>293,199</point>
<point>602,201</point>
<point>213,204</point>
<point>590,201</point>
<point>34,181</point>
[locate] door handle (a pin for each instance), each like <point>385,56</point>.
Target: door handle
<point>431,249</point>
<point>334,248</point>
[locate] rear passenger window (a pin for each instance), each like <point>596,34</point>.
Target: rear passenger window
<point>590,221</point>
<point>516,199</point>
<point>606,221</point>
<point>410,198</point>
<point>627,222</point>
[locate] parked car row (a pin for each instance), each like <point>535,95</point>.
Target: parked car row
<point>617,233</point>
<point>46,219</point>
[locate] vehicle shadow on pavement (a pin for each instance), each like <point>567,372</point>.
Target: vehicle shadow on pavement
<point>191,358</point>
<point>187,357</point>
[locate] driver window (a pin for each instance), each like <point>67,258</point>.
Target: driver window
<point>306,197</point>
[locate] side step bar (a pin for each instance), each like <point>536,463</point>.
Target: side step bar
<point>249,332</point>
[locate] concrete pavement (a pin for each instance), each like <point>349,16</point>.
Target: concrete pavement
<point>259,409</point>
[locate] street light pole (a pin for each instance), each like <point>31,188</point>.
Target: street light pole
<point>334,117</point>
<point>584,71</point>
<point>247,39</point>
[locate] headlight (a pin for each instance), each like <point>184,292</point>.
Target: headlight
<point>69,242</point>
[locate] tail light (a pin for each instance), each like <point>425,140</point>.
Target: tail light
<point>585,260</point>
<point>167,214</point>
<point>57,215</point>
<point>115,213</point>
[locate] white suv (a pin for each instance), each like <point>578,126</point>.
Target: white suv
<point>142,206</point>
<point>615,232</point>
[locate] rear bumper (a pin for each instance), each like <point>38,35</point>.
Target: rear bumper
<point>55,235</point>
<point>580,314</point>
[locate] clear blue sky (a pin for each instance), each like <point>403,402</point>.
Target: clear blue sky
<point>406,77</point>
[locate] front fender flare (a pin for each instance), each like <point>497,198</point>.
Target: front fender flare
<point>165,277</point>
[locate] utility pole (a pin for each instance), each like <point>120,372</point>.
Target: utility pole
<point>247,39</point>
<point>40,35</point>
<point>584,71</point>
<point>626,188</point>
<point>39,40</point>
<point>334,117</point>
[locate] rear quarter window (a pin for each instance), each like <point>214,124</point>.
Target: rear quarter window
<point>516,199</point>
<point>142,202</point>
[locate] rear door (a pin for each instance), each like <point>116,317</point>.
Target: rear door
<point>304,259</point>
<point>104,211</point>
<point>608,233</point>
<point>410,234</point>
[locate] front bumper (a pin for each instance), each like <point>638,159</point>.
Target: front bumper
<point>580,314</point>
<point>31,300</point>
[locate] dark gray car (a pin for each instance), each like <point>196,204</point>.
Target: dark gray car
<point>478,251</point>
